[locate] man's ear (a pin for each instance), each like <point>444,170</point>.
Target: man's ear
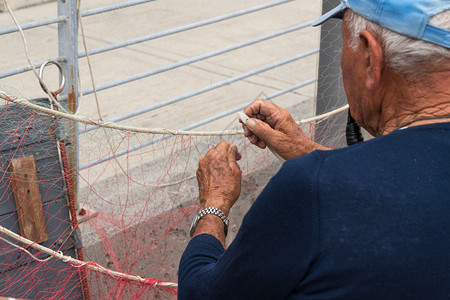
<point>374,59</point>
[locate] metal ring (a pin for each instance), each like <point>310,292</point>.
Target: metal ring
<point>41,76</point>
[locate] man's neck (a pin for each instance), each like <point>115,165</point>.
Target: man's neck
<point>415,103</point>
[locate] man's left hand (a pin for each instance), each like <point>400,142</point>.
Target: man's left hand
<point>219,177</point>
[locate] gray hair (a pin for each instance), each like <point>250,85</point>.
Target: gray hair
<point>403,54</point>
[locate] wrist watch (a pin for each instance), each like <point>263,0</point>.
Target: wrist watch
<point>213,211</point>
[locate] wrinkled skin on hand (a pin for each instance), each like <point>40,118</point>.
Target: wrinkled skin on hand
<point>275,127</point>
<point>219,177</point>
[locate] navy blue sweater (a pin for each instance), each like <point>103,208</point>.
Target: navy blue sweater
<point>371,221</point>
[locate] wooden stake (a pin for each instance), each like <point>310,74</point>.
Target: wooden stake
<point>25,187</point>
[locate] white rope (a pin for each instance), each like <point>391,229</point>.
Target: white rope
<point>26,251</point>
<point>86,120</point>
<point>323,116</point>
<point>77,263</point>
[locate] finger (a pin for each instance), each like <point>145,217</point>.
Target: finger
<point>261,108</point>
<point>233,157</point>
<point>199,178</point>
<point>254,108</point>
<point>233,154</point>
<point>202,160</point>
<point>218,152</point>
<point>210,151</point>
<point>261,144</point>
<point>266,111</point>
<point>253,139</point>
<point>222,146</point>
<point>268,108</point>
<point>262,130</point>
<point>247,132</point>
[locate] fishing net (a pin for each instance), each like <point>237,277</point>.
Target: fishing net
<point>92,207</point>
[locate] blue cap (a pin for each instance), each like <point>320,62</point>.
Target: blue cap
<point>407,17</point>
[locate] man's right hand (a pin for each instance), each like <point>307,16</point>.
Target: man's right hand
<point>271,125</point>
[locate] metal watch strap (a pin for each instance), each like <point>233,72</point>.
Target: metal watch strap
<point>213,211</point>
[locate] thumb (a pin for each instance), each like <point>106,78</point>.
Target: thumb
<point>261,129</point>
<point>233,154</point>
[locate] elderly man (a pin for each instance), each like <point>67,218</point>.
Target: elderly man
<point>371,221</point>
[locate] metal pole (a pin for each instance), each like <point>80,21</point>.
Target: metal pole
<point>330,89</point>
<point>31,25</point>
<point>68,48</point>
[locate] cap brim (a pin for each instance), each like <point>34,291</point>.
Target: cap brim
<point>337,12</point>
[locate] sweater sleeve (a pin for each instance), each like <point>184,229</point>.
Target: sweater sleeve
<point>272,250</point>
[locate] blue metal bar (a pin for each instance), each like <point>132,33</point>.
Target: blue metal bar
<point>112,7</point>
<point>27,68</point>
<point>202,90</point>
<point>181,29</point>
<point>31,25</point>
<point>192,126</point>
